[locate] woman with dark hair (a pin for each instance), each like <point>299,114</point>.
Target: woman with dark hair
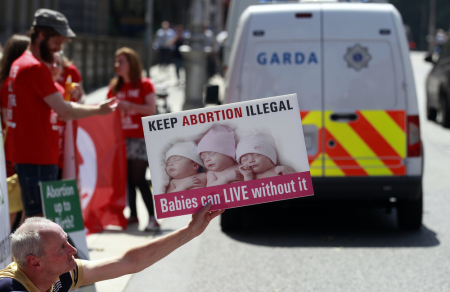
<point>14,48</point>
<point>135,97</point>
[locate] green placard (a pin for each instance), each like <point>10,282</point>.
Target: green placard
<point>62,205</point>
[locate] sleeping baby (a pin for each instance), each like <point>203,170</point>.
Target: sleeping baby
<point>217,149</point>
<point>257,156</point>
<point>182,164</point>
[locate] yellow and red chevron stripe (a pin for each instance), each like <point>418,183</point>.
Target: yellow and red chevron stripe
<point>372,145</point>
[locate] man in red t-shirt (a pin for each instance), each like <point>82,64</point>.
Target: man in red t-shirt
<point>35,142</point>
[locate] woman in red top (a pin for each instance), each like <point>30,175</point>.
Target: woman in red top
<point>69,69</point>
<point>60,126</point>
<point>14,48</point>
<point>136,98</point>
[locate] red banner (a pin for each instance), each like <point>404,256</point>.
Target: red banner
<point>102,171</point>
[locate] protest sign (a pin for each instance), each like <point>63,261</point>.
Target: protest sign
<point>232,155</point>
<point>5,250</point>
<point>61,204</point>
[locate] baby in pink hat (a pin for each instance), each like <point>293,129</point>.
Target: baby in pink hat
<point>257,155</point>
<point>182,164</point>
<point>217,149</point>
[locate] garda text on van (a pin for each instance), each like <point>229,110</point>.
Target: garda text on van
<point>286,58</point>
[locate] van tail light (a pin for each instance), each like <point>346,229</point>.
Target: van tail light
<point>414,146</point>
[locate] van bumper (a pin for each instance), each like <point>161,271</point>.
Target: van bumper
<point>367,188</point>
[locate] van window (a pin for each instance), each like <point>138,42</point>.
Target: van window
<point>359,75</point>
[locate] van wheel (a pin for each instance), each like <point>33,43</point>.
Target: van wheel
<point>409,214</point>
<point>231,220</point>
<point>443,114</point>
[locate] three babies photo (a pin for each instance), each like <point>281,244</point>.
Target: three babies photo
<point>221,157</point>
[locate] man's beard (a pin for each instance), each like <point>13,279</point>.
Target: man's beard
<point>46,53</point>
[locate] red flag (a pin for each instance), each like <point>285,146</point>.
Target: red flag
<point>102,171</point>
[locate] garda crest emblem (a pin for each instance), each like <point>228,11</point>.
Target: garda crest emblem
<point>357,57</point>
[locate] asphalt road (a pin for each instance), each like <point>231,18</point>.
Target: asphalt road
<point>333,248</point>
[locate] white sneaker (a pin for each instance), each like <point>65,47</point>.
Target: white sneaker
<point>153,225</point>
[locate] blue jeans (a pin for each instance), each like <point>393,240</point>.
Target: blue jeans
<point>29,177</point>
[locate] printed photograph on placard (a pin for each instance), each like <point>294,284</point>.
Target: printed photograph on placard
<point>232,155</point>
<point>218,159</point>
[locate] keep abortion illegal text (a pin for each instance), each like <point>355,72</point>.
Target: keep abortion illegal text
<point>220,115</point>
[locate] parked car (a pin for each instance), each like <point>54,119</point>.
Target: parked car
<point>438,88</point>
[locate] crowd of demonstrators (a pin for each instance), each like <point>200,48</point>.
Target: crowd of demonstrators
<point>34,78</point>
<point>135,96</point>
<point>14,48</point>
<point>35,147</point>
<point>44,259</point>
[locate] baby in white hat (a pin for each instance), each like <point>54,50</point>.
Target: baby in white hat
<point>257,156</point>
<point>182,164</point>
<point>217,149</point>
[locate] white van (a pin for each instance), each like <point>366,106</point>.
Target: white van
<point>234,13</point>
<point>349,65</point>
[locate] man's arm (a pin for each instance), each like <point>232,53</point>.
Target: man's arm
<point>142,256</point>
<point>72,111</point>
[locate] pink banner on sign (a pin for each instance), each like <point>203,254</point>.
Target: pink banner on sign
<point>235,194</point>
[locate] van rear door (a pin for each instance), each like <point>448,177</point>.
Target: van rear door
<point>364,102</point>
<point>285,58</point>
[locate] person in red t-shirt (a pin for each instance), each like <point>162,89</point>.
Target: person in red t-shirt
<point>14,48</point>
<point>69,69</point>
<point>36,150</point>
<point>56,69</point>
<point>136,98</point>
